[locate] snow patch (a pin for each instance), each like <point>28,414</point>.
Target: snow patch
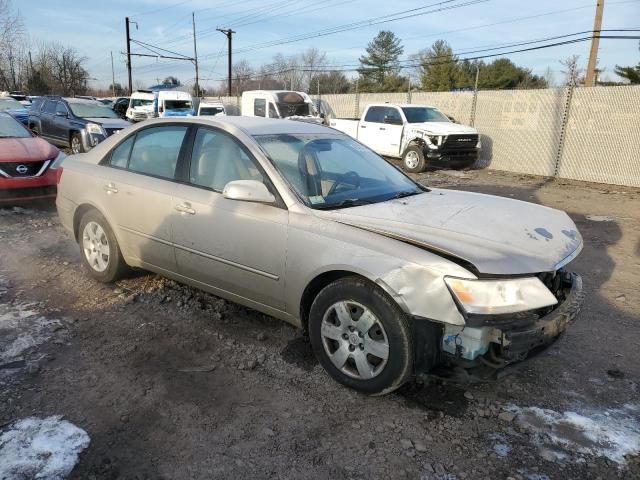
<point>612,433</point>
<point>22,327</point>
<point>40,448</point>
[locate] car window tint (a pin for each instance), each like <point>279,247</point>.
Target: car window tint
<point>155,151</point>
<point>259,107</point>
<point>60,108</point>
<point>272,111</point>
<point>49,106</point>
<point>218,159</point>
<point>120,154</point>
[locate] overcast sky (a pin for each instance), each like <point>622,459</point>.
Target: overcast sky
<point>97,28</point>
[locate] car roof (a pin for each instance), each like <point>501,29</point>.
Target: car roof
<point>269,126</point>
<point>84,101</point>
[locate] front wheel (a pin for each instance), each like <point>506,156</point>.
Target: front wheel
<point>99,248</point>
<point>413,159</point>
<point>76,143</point>
<point>360,336</point>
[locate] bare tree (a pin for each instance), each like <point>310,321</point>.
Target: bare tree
<point>12,48</point>
<point>242,76</point>
<point>573,73</point>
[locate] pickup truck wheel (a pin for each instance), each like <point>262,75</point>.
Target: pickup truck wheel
<point>99,248</point>
<point>413,159</point>
<point>360,336</point>
<point>76,143</point>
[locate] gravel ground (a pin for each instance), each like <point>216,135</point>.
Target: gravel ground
<point>172,383</point>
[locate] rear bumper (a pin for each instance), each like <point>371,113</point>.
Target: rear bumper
<point>28,188</point>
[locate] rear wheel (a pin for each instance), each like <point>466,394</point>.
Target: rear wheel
<point>99,248</point>
<point>360,336</point>
<point>76,143</point>
<point>413,159</point>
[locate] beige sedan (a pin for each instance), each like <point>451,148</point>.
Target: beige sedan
<point>301,222</point>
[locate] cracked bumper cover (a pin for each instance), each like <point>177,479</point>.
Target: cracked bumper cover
<point>518,343</point>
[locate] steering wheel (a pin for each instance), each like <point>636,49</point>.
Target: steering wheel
<point>348,178</point>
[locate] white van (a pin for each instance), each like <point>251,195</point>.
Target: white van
<point>280,104</point>
<point>145,104</point>
<point>211,108</point>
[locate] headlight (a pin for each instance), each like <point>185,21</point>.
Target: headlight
<point>434,139</point>
<point>486,297</point>
<point>59,159</point>
<point>94,128</point>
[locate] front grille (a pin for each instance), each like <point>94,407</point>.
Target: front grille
<point>461,141</point>
<point>111,131</point>
<point>19,169</point>
<point>19,193</point>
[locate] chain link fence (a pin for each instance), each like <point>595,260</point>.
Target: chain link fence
<point>589,134</point>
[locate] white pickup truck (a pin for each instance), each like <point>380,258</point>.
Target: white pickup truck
<point>419,134</point>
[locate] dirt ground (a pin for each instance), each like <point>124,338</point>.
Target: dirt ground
<point>171,383</point>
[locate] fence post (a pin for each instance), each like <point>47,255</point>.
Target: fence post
<point>356,110</point>
<point>474,101</point>
<point>409,93</point>
<point>565,120</point>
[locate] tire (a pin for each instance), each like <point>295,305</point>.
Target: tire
<point>413,160</point>
<point>76,143</point>
<point>104,264</point>
<point>353,358</point>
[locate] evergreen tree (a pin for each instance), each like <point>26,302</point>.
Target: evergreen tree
<point>380,65</point>
<point>630,73</point>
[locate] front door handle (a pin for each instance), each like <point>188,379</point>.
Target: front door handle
<point>185,208</point>
<point>382,128</point>
<point>363,126</point>
<point>110,188</point>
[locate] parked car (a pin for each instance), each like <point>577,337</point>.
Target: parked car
<point>120,106</point>
<point>146,104</point>
<point>304,223</point>
<point>280,104</point>
<point>28,164</point>
<point>21,97</point>
<point>14,108</point>
<point>419,134</point>
<point>73,122</point>
<point>107,102</point>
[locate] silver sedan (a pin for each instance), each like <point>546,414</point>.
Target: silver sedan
<point>303,223</point>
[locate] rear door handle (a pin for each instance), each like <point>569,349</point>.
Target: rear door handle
<point>382,128</point>
<point>185,208</point>
<point>110,188</point>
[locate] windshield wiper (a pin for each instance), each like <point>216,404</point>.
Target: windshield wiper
<point>405,193</point>
<point>349,202</point>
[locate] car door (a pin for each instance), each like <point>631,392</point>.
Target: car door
<point>389,132</point>
<point>368,128</point>
<point>234,246</point>
<point>47,117</point>
<point>138,190</point>
<point>60,122</point>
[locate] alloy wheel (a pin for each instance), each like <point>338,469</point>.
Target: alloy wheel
<point>355,340</point>
<point>411,160</point>
<point>75,144</point>
<point>95,245</point>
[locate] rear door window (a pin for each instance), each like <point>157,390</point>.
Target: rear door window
<point>155,151</point>
<point>120,154</point>
<point>50,107</point>
<point>259,107</point>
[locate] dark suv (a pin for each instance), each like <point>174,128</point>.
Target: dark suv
<point>73,122</point>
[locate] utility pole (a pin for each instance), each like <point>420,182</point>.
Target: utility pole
<point>129,55</point>
<point>229,33</point>
<point>113,77</point>
<point>595,41</point>
<point>195,52</point>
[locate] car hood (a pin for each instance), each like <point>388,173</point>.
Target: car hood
<point>17,112</point>
<point>498,236</point>
<point>442,128</point>
<point>26,150</point>
<point>110,122</point>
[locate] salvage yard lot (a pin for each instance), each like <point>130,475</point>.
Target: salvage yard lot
<point>173,383</point>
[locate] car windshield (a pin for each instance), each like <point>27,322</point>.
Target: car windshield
<point>334,171</point>
<point>424,114</point>
<point>91,110</point>
<point>139,102</point>
<point>9,103</point>
<point>211,110</point>
<point>10,128</point>
<point>180,105</point>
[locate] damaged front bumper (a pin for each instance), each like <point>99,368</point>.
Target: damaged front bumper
<point>499,342</point>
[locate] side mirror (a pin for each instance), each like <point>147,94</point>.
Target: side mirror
<point>248,191</point>
<point>61,114</point>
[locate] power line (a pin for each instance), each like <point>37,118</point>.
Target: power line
<point>150,12</point>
